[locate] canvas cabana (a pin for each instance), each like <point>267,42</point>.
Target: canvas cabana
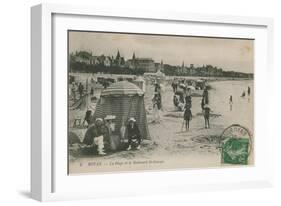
<point>140,82</point>
<point>123,100</point>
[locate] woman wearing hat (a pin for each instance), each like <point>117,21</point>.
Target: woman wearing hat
<point>97,136</point>
<point>134,137</point>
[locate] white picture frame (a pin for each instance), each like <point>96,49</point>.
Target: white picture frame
<point>49,180</point>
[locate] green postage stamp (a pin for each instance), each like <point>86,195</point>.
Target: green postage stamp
<point>235,145</point>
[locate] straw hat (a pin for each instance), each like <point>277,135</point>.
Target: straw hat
<point>132,119</point>
<point>99,119</point>
<point>110,117</point>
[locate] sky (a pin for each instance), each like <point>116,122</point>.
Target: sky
<point>228,54</point>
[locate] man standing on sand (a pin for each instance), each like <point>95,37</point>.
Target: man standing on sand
<point>230,102</point>
<point>207,116</point>
<point>92,92</point>
<point>73,91</point>
<point>174,86</point>
<point>80,89</point>
<point>156,101</point>
<point>202,105</point>
<point>249,93</point>
<point>206,96</point>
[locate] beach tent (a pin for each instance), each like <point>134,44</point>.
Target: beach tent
<point>140,82</point>
<point>160,74</point>
<point>160,77</point>
<point>123,100</point>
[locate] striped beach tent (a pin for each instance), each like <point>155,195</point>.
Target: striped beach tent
<point>123,100</point>
<point>122,88</point>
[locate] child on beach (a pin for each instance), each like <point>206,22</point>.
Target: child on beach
<point>187,116</point>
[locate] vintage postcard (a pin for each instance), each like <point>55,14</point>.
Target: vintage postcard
<point>140,102</point>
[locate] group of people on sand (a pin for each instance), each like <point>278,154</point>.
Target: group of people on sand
<point>76,87</point>
<point>248,92</point>
<point>179,83</point>
<point>79,87</point>
<point>243,95</point>
<point>183,101</point>
<point>181,91</point>
<point>100,136</point>
<point>187,115</point>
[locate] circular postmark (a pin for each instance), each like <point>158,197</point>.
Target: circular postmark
<point>235,145</point>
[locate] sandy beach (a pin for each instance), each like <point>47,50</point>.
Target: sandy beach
<point>170,147</point>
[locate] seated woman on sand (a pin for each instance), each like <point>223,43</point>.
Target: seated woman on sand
<point>97,136</point>
<point>134,136</point>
